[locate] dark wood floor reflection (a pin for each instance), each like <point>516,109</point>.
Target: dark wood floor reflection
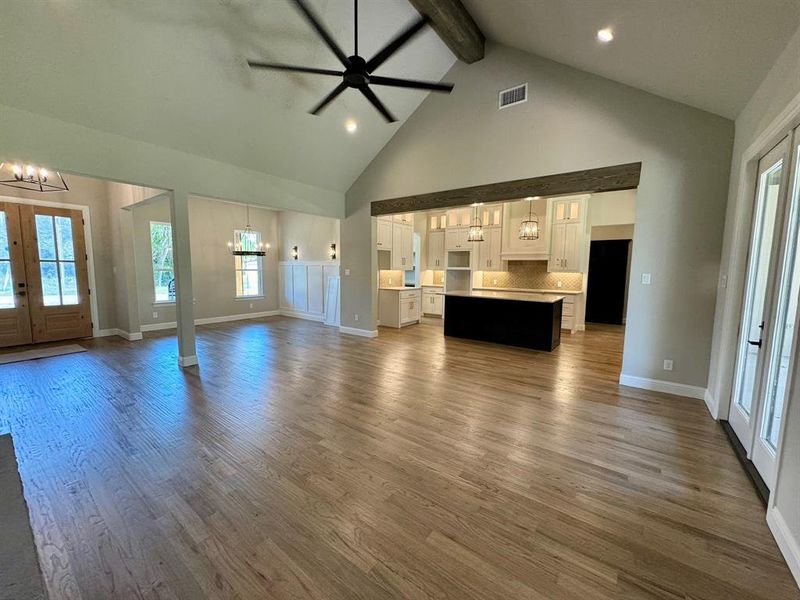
<point>300,463</point>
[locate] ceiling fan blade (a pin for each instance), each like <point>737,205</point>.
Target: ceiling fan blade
<point>323,33</point>
<point>329,98</point>
<point>282,67</point>
<point>377,104</point>
<point>393,46</point>
<point>411,83</point>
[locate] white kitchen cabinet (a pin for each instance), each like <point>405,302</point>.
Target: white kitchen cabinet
<point>402,246</point>
<point>568,314</point>
<point>489,256</point>
<point>565,250</point>
<point>384,239</point>
<point>432,301</point>
<point>399,307</point>
<point>436,250</point>
<point>455,238</point>
<point>568,210</point>
<point>459,217</point>
<point>514,213</point>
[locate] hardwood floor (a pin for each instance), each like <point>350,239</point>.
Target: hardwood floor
<point>296,462</point>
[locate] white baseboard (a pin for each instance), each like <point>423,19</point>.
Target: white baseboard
<point>580,327</point>
<point>786,541</point>
<point>131,337</point>
<point>298,314</point>
<point>668,387</point>
<point>711,403</point>
<point>359,332</point>
<point>211,320</point>
<point>187,361</point>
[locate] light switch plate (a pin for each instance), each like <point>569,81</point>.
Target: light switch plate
<point>155,315</point>
<point>347,272</point>
<point>646,279</point>
<point>668,364</point>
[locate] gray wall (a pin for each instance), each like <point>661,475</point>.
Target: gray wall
<point>573,121</point>
<point>312,235</point>
<point>212,224</point>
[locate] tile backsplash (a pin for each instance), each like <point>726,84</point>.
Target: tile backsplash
<point>532,275</point>
<point>396,277</point>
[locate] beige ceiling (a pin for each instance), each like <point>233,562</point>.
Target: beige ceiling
<point>711,54</point>
<point>173,73</point>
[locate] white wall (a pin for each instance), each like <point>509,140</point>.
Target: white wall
<point>212,224</point>
<point>612,208</point>
<point>311,234</point>
<point>778,93</point>
<point>572,121</point>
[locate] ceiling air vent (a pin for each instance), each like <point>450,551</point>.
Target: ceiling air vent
<point>512,96</point>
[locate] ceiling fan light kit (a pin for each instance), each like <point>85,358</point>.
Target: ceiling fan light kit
<point>358,72</point>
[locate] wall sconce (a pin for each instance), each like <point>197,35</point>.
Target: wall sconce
<point>295,253</point>
<point>332,252</point>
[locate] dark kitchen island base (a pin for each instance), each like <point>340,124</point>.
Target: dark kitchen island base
<point>515,319</point>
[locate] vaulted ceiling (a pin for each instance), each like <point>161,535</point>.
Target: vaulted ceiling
<point>711,54</point>
<point>173,73</point>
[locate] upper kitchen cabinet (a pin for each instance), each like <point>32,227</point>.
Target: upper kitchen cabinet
<point>384,238</point>
<point>455,237</point>
<point>402,245</point>
<point>513,248</point>
<point>437,221</point>
<point>569,234</point>
<point>436,249</point>
<point>459,217</point>
<point>489,257</point>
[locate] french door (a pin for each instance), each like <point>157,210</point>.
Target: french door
<point>767,341</point>
<point>44,283</point>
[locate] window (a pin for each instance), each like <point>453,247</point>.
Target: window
<point>6,282</point>
<point>248,268</point>
<point>163,269</point>
<point>56,260</point>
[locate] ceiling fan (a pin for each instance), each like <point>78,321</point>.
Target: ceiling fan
<point>357,71</point>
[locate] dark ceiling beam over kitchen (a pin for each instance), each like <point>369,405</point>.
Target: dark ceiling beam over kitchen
<point>604,179</point>
<point>453,23</point>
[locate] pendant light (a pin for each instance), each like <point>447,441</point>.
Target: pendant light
<point>529,228</point>
<point>475,232</point>
<point>31,178</point>
<point>247,245</point>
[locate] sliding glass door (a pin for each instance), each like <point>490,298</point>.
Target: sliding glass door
<point>767,340</point>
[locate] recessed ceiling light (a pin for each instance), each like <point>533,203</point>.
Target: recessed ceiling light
<point>605,35</point>
<point>351,126</point>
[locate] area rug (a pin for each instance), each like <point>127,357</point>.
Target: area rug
<point>20,574</point>
<point>36,353</point>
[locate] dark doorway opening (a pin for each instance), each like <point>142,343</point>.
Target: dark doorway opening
<point>608,278</point>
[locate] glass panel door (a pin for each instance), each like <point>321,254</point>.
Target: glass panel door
<point>15,326</point>
<point>765,235</point>
<point>782,344</point>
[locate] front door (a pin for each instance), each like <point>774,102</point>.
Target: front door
<point>56,273</point>
<point>15,323</point>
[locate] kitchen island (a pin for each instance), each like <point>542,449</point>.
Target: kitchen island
<point>512,318</point>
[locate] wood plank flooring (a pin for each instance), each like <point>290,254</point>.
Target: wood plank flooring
<point>296,462</point>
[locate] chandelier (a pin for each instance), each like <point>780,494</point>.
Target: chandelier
<point>247,242</point>
<point>529,228</point>
<point>475,232</point>
<point>31,178</point>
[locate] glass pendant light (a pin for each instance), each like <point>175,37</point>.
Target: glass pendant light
<point>529,228</point>
<point>247,243</point>
<point>475,233</point>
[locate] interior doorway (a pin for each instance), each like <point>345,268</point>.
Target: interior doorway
<point>44,281</point>
<point>767,343</point>
<point>606,288</point>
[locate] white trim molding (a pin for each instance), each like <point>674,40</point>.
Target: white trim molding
<point>130,336</point>
<point>711,404</point>
<point>187,361</point>
<point>298,314</point>
<point>667,387</point>
<point>787,543</point>
<point>211,320</point>
<point>359,332</point>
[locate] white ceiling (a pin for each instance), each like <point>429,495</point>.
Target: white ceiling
<point>711,54</point>
<point>173,73</point>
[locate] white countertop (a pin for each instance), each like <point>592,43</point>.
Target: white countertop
<point>531,291</point>
<point>524,296</point>
<point>399,288</point>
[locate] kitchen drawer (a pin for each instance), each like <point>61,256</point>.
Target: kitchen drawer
<point>409,295</point>
<point>568,309</point>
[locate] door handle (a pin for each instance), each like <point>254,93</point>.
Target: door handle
<point>752,343</point>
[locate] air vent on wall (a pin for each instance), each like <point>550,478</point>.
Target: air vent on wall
<point>512,96</point>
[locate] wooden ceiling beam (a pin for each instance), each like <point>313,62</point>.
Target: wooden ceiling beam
<point>455,26</point>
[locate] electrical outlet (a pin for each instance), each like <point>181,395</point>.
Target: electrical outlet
<point>347,272</point>
<point>559,284</point>
<point>251,305</point>
<point>494,281</point>
<point>390,281</point>
<point>723,282</point>
<point>668,364</point>
<point>646,279</point>
<point>155,315</point>
<point>355,317</point>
